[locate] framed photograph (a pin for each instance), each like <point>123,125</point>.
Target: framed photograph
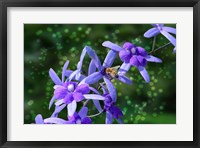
<point>99,73</point>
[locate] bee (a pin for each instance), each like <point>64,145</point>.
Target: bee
<point>112,72</point>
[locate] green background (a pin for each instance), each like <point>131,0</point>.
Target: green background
<point>50,45</point>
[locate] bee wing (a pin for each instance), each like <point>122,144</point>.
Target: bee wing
<point>112,75</point>
<point>115,68</point>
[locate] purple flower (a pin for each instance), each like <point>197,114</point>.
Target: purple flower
<point>101,73</point>
<point>80,117</point>
<point>69,73</point>
<point>39,119</point>
<point>164,30</point>
<point>76,118</point>
<point>69,93</point>
<point>52,120</point>
<point>96,76</point>
<point>132,55</point>
<point>109,107</point>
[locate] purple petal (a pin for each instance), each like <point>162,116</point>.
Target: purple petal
<point>97,105</point>
<point>112,46</point>
<point>111,89</point>
<point>83,112</point>
<point>134,61</point>
<point>125,55</point>
<point>142,61</point>
<point>55,121</point>
<point>78,96</point>
<point>124,68</point>
<point>52,101</point>
<point>64,69</point>
<point>109,118</point>
<point>119,121</point>
<point>110,58</point>
<point>39,119</point>
<point>116,112</point>
<point>96,102</point>
<point>94,90</point>
<point>59,102</point>
<point>86,120</point>
<point>151,32</point>
<point>54,77</point>
<point>73,74</point>
<point>78,75</point>
<point>94,97</point>
<point>79,65</point>
<point>92,68</point>
<point>60,92</point>
<point>170,29</point>
<point>169,37</point>
<point>71,108</point>
<point>83,88</point>
<point>124,79</point>
<point>58,86</point>
<point>94,57</point>
<point>144,73</point>
<point>151,58</point>
<point>68,98</point>
<point>68,73</point>
<point>157,25</point>
<point>128,46</point>
<point>81,78</point>
<point>58,109</point>
<point>103,88</point>
<point>141,51</point>
<point>74,117</point>
<point>93,78</point>
<point>175,50</point>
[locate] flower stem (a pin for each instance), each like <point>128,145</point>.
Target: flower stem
<point>154,42</point>
<point>86,102</point>
<point>96,114</point>
<point>160,47</point>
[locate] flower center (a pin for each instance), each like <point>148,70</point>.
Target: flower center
<point>108,102</point>
<point>103,70</point>
<point>159,27</point>
<point>70,87</point>
<point>133,50</point>
<point>78,121</point>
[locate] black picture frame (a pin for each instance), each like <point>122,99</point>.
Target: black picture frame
<point>4,4</point>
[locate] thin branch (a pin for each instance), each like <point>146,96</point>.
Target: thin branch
<point>96,114</point>
<point>161,47</point>
<point>154,42</point>
<point>86,102</point>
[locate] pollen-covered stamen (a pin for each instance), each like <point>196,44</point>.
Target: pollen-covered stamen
<point>70,87</point>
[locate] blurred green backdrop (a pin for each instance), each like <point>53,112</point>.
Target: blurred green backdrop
<point>50,45</point>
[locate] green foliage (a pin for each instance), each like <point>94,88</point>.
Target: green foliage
<point>50,45</point>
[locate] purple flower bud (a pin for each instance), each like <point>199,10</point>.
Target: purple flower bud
<point>128,46</point>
